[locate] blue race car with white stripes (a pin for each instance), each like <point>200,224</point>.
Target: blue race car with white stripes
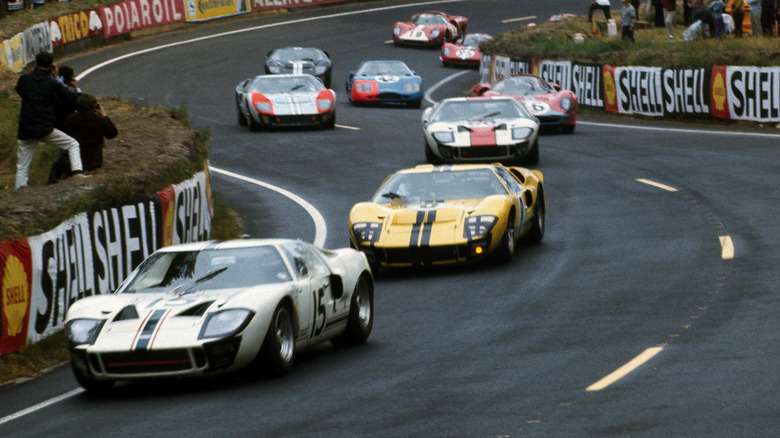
<point>208,308</point>
<point>285,101</point>
<point>385,82</point>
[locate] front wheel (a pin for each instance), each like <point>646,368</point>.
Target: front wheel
<point>241,118</point>
<point>278,351</point>
<point>87,382</point>
<point>361,316</point>
<point>568,129</point>
<point>506,251</point>
<point>430,157</point>
<point>537,229</point>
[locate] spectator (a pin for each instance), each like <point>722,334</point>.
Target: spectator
<point>670,11</point>
<point>90,126</point>
<point>43,97</point>
<point>767,16</point>
<point>699,11</point>
<point>598,4</point>
<point>65,76</point>
<point>686,13</point>
<point>658,12</point>
<point>738,14</point>
<point>755,17</point>
<point>628,20</point>
<point>716,7</point>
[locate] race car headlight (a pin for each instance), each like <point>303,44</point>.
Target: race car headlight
<point>366,232</point>
<point>521,133</point>
<point>83,331</point>
<point>225,323</point>
<point>567,104</point>
<point>411,87</point>
<point>435,34</point>
<point>446,51</point>
<point>263,107</point>
<point>397,31</point>
<point>320,70</point>
<point>477,227</point>
<point>363,87</point>
<point>324,104</point>
<point>444,137</point>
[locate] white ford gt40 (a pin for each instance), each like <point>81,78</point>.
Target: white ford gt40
<point>210,308</point>
<point>480,129</point>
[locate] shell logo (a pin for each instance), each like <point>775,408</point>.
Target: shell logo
<point>610,91</point>
<point>719,91</point>
<point>15,295</point>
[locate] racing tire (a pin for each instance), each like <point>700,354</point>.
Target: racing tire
<point>506,250</point>
<point>253,126</point>
<point>430,157</point>
<point>532,157</point>
<point>536,233</point>
<point>88,383</point>
<point>568,129</point>
<point>277,354</point>
<point>331,124</point>
<point>241,118</point>
<point>361,316</point>
<point>414,103</point>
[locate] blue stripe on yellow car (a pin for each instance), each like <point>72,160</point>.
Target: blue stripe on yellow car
<point>414,239</point>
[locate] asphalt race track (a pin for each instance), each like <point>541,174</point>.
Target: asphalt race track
<point>661,251</point>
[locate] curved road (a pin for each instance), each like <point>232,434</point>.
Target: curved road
<point>650,309</point>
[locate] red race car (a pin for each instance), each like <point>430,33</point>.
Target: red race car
<point>429,28</point>
<point>464,51</point>
<point>551,104</point>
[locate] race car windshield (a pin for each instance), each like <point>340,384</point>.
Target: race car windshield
<point>298,54</point>
<point>459,111</point>
<point>440,186</point>
<point>522,85</point>
<point>428,20</point>
<point>384,68</point>
<point>474,40</point>
<point>190,271</point>
<point>271,84</point>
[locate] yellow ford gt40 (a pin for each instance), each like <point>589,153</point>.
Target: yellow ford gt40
<point>435,215</point>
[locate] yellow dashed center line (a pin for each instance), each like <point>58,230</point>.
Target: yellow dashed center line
<point>655,184</point>
<point>727,248</point>
<point>530,17</point>
<point>625,369</point>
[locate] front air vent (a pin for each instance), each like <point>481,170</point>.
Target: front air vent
<point>128,312</point>
<point>197,310</point>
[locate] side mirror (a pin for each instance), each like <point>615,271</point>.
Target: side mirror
<point>426,115</point>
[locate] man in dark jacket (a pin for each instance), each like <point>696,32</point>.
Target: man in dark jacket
<point>43,98</point>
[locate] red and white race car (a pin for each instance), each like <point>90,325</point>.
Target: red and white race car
<point>464,51</point>
<point>429,28</point>
<point>550,103</point>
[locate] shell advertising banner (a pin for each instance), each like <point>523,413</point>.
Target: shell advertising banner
<point>91,254</point>
<point>200,10</point>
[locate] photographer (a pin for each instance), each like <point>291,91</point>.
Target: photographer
<point>89,125</point>
<point>43,99</point>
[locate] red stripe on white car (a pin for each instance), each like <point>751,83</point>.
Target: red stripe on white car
<point>483,136</point>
